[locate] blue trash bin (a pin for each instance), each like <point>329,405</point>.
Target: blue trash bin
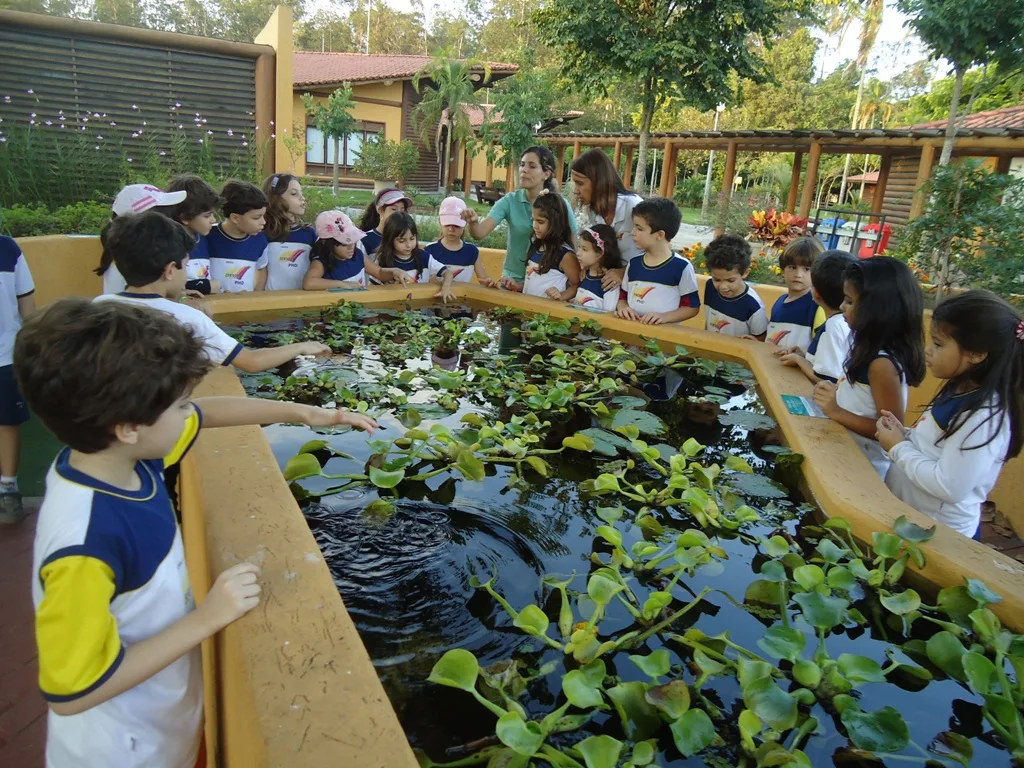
<point>824,232</point>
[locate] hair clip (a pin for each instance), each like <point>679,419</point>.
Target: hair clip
<point>597,238</point>
<point>1020,331</point>
<point>274,180</point>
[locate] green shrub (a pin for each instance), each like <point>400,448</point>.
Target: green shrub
<point>77,219</point>
<point>689,192</point>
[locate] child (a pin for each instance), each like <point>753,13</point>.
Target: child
<point>948,463</point>
<point>451,259</point>
<point>376,215</point>
<point>597,253</point>
<point>117,628</point>
<point>824,358</point>
<point>552,271</point>
<point>152,253</point>
<point>238,247</point>
<point>730,306</point>
<point>337,261</point>
<point>290,240</point>
<point>196,213</point>
<point>399,255</point>
<point>660,286</point>
<point>135,198</point>
<point>794,316</point>
<point>17,301</point>
<point>883,307</point>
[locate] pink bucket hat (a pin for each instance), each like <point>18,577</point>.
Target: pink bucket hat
<point>451,212</point>
<point>392,196</point>
<point>336,225</point>
<point>136,198</point>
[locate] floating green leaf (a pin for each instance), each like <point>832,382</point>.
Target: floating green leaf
<point>579,690</point>
<point>643,753</point>
<point>885,544</point>
<point>957,603</point>
<point>883,730</point>
<point>980,672</point>
<point>841,578</point>
<point>807,673</point>
<point>672,698</point>
<point>655,664</point>
<point>830,551</point>
<point>523,737</point>
<point>755,485</point>
<point>470,466</point>
<point>639,718</point>
<point>763,591</point>
<point>776,546</point>
<point>737,464</point>
<point>770,703</point>
<point>750,726</point>
<point>981,592</point>
<point>301,466</point>
<point>384,479</point>
<point>646,422</point>
<point>911,531</point>
<point>539,466</point>
<point>458,668</point>
<point>821,611</point>
<point>691,447</point>
<point>693,732</point>
<point>532,621</point>
<point>860,669</point>
<point>901,604</point>
<point>945,650</point>
<point>781,642</point>
<point>580,442</point>
<point>810,577</point>
<point>746,420</point>
<point>600,751</point>
<point>601,589</point>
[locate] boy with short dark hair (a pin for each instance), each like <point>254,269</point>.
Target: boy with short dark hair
<point>795,316</point>
<point>196,213</point>
<point>152,253</point>
<point>730,305</point>
<point>17,301</point>
<point>659,286</point>
<point>117,628</point>
<point>238,247</point>
<point>831,342</point>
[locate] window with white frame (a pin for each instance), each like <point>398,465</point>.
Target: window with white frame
<point>320,150</point>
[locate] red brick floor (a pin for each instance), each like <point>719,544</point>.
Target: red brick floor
<point>22,710</point>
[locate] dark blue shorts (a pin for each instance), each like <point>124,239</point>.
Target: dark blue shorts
<point>13,410</point>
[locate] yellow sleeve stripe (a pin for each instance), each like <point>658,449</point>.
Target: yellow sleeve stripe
<point>188,436</point>
<point>79,646</point>
<point>819,319</point>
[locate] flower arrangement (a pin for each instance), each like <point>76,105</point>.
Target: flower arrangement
<point>776,229</point>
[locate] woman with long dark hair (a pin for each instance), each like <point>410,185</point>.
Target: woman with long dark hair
<point>605,198</point>
<point>536,174</point>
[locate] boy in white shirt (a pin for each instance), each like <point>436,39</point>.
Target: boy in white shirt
<point>659,286</point>
<point>830,344</point>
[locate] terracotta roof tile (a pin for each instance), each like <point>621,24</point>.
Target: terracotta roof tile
<point>319,68</point>
<point>1007,117</point>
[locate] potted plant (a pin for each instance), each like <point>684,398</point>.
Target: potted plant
<point>388,163</point>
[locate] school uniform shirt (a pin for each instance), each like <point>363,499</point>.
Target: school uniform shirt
<point>829,347</point>
<point>109,572</point>
<point>949,480</point>
<point>15,283</point>
<point>440,259</point>
<point>288,260</point>
<point>113,282</point>
<point>738,316</point>
<point>591,295</point>
<point>792,322</point>
<point>220,348</point>
<point>622,223</point>
<point>371,242</point>
<point>664,288</point>
<point>234,261</point>
<point>415,267</point>
<point>198,266</point>
<point>516,209</point>
<point>855,396</point>
<point>538,283</point>
<point>350,270</point>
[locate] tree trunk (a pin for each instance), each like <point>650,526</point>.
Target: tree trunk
<point>334,178</point>
<point>448,156</point>
<point>646,116</point>
<point>853,125</point>
<point>954,105</point>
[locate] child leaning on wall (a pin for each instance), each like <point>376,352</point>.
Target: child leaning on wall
<point>238,247</point>
<point>290,241</point>
<point>451,259</point>
<point>117,628</point>
<point>17,301</point>
<point>731,306</point>
<point>197,214</point>
<point>796,315</point>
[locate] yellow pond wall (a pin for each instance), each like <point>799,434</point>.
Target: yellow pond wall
<point>290,685</point>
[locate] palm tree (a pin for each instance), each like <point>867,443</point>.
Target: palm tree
<point>876,106</point>
<point>870,23</point>
<point>451,88</point>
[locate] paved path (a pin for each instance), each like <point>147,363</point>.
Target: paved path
<point>691,234</point>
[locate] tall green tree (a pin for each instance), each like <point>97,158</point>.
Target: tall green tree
<point>967,33</point>
<point>328,31</point>
<point>663,47</point>
<point>871,21</point>
<point>391,31</point>
<point>334,120</point>
<point>449,88</point>
<point>991,87</point>
<point>524,101</point>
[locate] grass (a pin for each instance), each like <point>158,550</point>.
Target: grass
<point>359,198</point>
<point>691,215</point>
<point>38,450</point>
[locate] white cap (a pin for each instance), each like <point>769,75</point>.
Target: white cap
<point>136,198</point>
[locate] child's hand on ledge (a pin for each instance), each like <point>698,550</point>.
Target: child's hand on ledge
<point>784,351</point>
<point>653,318</point>
<point>509,284</point>
<point>554,293</point>
<point>791,359</point>
<point>334,417</point>
<point>314,348</point>
<point>825,397</point>
<point>235,592</point>
<point>445,295</point>
<point>626,313</point>
<point>490,282</point>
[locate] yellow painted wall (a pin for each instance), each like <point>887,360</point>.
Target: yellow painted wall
<point>392,92</point>
<point>278,35</point>
<point>480,167</point>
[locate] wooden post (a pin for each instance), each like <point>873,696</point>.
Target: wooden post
<point>489,177</point>
<point>727,179</point>
<point>1003,164</point>
<point>576,149</point>
<point>794,181</point>
<point>668,162</point>
<point>924,172</point>
<point>628,170</point>
<point>560,163</point>
<point>810,180</point>
<point>883,179</point>
<point>467,172</point>
<point>618,155</point>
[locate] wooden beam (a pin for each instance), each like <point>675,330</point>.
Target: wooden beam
<point>727,180</point>
<point>810,181</point>
<point>467,171</point>
<point>667,161</point>
<point>883,182</point>
<point>628,170</point>
<point>618,155</point>
<point>794,182</point>
<point>560,163</point>
<point>924,172</point>
<point>489,177</point>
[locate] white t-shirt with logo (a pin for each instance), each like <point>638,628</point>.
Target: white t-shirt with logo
<point>538,283</point>
<point>234,261</point>
<point>288,261</point>
<point>662,288</point>
<point>16,282</point>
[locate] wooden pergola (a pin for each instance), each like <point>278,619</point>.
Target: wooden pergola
<point>1000,143</point>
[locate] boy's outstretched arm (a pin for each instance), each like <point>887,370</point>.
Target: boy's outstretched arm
<point>255,360</point>
<point>241,411</point>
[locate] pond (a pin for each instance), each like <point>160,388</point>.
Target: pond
<point>562,550</point>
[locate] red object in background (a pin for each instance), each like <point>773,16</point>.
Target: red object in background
<point>867,248</point>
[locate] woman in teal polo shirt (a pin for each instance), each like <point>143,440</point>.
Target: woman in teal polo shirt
<point>536,174</point>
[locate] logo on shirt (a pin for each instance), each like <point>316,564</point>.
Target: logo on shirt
<point>585,299</point>
<point>203,272</point>
<point>776,338</point>
<point>458,272</point>
<point>291,256</point>
<point>531,268</point>
<point>640,293</point>
<point>236,273</point>
<point>720,325</point>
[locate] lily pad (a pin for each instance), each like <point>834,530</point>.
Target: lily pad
<point>523,737</point>
<point>781,642</point>
<point>301,466</point>
<point>655,664</point>
<point>903,603</point>
<point>755,485</point>
<point>746,420</point>
<point>823,612</point>
<point>606,443</point>
<point>693,732</point>
<point>384,479</point>
<point>860,669</point>
<point>600,751</point>
<point>773,705</point>
<point>883,730</point>
<point>458,668</point>
<point>646,422</point>
<point>579,690</point>
<point>672,698</point>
